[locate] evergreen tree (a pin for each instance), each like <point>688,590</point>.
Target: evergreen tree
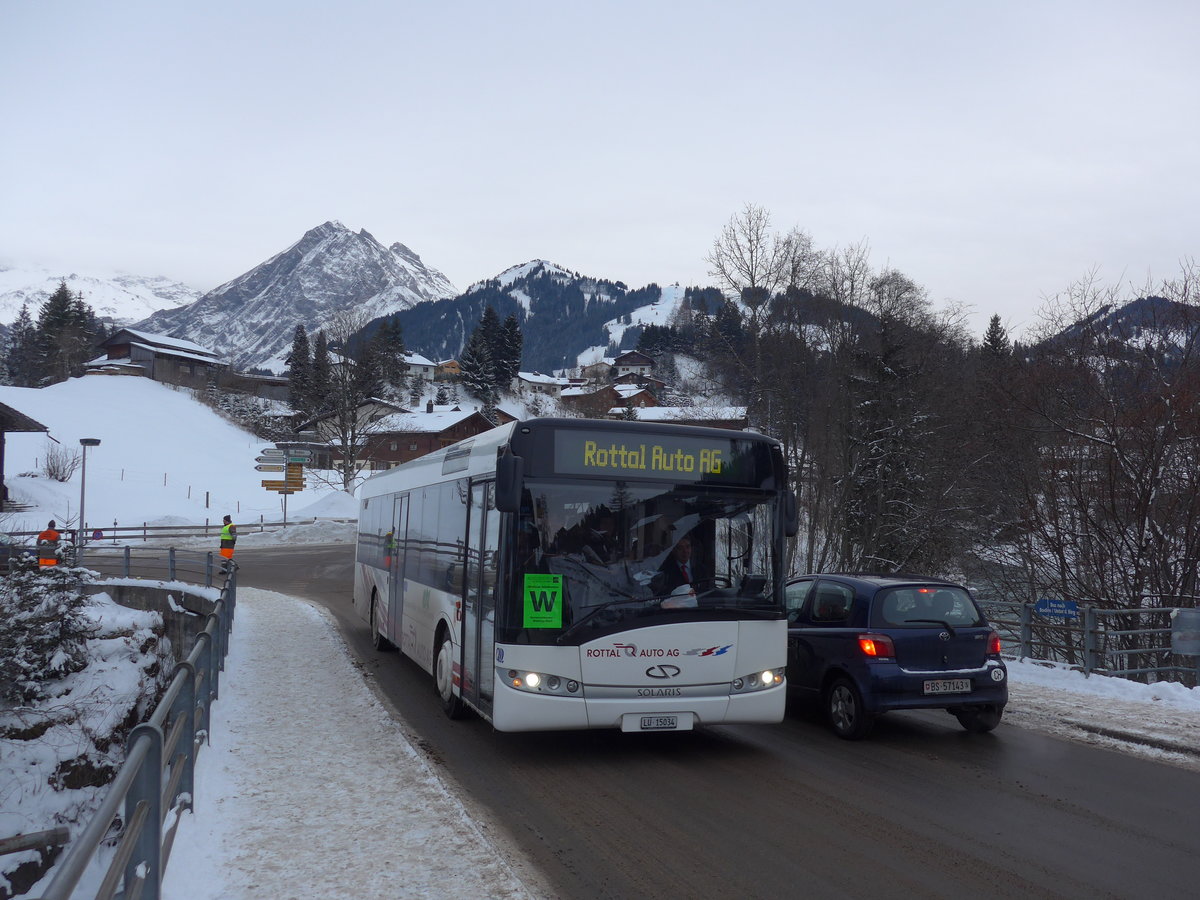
<point>492,334</point>
<point>321,381</point>
<point>21,363</point>
<point>995,340</point>
<point>299,363</point>
<point>512,342</point>
<point>389,353</point>
<point>478,368</point>
<point>67,331</point>
<point>366,369</point>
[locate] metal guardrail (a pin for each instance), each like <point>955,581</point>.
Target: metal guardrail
<point>156,779</point>
<point>144,532</point>
<point>1123,643</point>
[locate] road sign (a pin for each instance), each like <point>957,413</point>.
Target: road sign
<point>298,451</point>
<point>273,451</point>
<point>271,460</point>
<point>269,468</point>
<point>300,460</point>
<point>1055,608</point>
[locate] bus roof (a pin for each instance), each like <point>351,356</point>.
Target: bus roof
<point>477,455</point>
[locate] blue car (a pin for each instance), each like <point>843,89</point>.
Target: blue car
<point>867,644</point>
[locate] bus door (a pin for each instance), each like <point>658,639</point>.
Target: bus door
<point>393,560</point>
<point>479,635</point>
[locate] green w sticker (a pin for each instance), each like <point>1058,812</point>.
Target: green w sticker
<point>543,601</point>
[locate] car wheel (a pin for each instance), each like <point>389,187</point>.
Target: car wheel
<point>847,715</point>
<point>979,719</point>
<point>443,672</point>
<point>378,641</point>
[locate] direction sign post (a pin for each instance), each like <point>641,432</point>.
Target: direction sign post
<point>269,468</point>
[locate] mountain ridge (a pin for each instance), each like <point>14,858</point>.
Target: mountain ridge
<point>252,319</point>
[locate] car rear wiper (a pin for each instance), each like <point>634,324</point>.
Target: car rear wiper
<point>942,622</point>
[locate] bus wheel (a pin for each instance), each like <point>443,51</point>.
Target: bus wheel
<point>443,673</point>
<point>378,641</point>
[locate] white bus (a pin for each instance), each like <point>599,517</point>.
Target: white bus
<point>529,570</point>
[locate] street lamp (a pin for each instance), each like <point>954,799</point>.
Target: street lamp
<point>85,443</point>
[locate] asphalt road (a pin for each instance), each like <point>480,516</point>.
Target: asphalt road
<point>921,809</point>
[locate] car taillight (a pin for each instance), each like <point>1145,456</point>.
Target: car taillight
<point>994,644</point>
<point>879,646</point>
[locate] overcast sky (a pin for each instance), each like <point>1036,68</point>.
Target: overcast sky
<point>995,153</point>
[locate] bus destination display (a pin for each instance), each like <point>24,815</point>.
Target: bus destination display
<point>711,460</point>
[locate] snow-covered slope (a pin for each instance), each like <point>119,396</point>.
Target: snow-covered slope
<point>164,458</point>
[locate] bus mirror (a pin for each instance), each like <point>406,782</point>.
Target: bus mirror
<point>510,482</point>
<point>791,514</point>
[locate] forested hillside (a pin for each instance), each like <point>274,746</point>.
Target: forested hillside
<point>560,315</point>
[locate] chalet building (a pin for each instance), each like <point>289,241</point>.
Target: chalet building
<point>448,370</point>
<point>504,416</point>
<point>632,362</point>
<point>597,401</point>
<point>421,367</point>
<point>537,383</point>
<point>158,357</point>
<point>265,387</point>
<point>403,436</point>
<point>647,381</point>
<point>597,372</point>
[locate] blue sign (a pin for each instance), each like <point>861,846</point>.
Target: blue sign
<point>1052,608</point>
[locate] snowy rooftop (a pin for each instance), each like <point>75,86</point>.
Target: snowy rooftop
<point>539,378</point>
<point>172,343</point>
<point>416,359</point>
<point>421,422</point>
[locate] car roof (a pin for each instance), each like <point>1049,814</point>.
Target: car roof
<point>877,580</point>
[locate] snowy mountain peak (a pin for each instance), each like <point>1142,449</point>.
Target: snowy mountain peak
<point>533,269</point>
<point>331,269</point>
<point>118,297</point>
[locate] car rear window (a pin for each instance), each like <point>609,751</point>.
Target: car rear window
<point>919,606</point>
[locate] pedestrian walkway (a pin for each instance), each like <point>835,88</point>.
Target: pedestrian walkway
<point>310,789</point>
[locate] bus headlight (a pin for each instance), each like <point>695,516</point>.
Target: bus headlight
<point>757,681</point>
<point>542,683</point>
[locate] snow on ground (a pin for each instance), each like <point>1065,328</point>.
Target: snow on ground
<point>310,787</point>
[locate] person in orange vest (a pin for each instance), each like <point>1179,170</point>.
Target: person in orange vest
<point>48,546</point>
<point>228,537</point>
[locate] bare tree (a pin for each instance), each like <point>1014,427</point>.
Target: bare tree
<point>1112,506</point>
<point>747,255</point>
<point>347,417</point>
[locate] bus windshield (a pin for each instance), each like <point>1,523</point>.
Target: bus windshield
<point>594,558</point>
